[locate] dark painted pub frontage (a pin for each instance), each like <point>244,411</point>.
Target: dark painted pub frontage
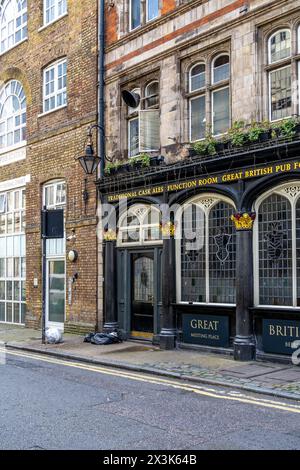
<point>231,280</point>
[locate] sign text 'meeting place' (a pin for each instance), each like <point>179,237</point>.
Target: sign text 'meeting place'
<point>229,177</point>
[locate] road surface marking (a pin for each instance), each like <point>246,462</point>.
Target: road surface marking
<point>199,390</point>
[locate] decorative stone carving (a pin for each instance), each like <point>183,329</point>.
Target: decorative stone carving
<point>293,190</point>
<point>207,203</point>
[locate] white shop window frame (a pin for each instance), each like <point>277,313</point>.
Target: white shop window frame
<point>22,250</point>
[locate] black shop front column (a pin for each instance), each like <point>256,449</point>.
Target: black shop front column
<point>110,282</point>
<point>244,344</point>
<point>168,325</point>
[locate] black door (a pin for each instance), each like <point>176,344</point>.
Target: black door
<point>142,295</point>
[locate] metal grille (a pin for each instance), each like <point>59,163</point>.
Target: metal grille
<point>275,252</point>
<point>222,254</point>
<point>193,264</point>
<point>143,280</point>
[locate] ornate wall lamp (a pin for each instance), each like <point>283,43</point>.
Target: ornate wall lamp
<point>90,161</point>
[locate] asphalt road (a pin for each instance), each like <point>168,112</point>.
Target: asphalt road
<point>50,404</point>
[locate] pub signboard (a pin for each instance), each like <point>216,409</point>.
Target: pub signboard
<point>279,335</point>
<point>209,330</point>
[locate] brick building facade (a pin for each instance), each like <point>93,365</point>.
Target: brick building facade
<point>48,74</point>
<point>206,90</point>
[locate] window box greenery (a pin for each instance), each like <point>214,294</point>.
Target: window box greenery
<point>238,134</point>
<point>206,146</point>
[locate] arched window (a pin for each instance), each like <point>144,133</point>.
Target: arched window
<point>140,225</point>
<point>152,95</point>
<point>12,115</point>
<point>13,23</point>
<point>197,77</point>
<point>143,122</point>
<point>277,247</point>
<point>197,104</point>
<point>280,77</point>
<point>221,68</point>
<point>279,46</point>
<point>206,251</point>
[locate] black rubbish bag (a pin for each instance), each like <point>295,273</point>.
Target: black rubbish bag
<point>103,338</point>
<point>88,337</point>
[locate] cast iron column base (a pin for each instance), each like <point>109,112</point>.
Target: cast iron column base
<point>167,338</point>
<point>244,348</point>
<point>110,326</point>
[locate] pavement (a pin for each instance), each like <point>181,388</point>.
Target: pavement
<point>278,380</point>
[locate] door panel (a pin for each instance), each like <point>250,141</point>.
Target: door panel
<point>142,292</point>
<point>56,292</point>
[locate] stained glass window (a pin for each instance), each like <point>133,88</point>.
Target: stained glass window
<point>208,253</point>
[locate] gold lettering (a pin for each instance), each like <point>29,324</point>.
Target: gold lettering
<point>283,168</point>
<point>206,181</point>
<point>232,176</point>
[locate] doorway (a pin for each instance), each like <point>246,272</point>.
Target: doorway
<point>142,294</point>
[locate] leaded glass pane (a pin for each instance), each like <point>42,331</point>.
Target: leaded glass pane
<point>197,77</point>
<point>198,121</point>
<point>280,46</point>
<point>133,137</point>
<point>221,69</point>
<point>275,251</point>
<point>281,93</point>
<point>143,280</point>
<point>193,274</point>
<point>222,254</point>
<point>221,115</point>
<point>298,250</point>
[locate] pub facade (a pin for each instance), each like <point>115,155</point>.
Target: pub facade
<point>201,243</point>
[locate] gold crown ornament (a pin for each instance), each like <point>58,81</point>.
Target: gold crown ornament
<point>244,221</point>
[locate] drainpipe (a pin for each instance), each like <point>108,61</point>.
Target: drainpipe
<point>101,135</point>
<point>101,49</point>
